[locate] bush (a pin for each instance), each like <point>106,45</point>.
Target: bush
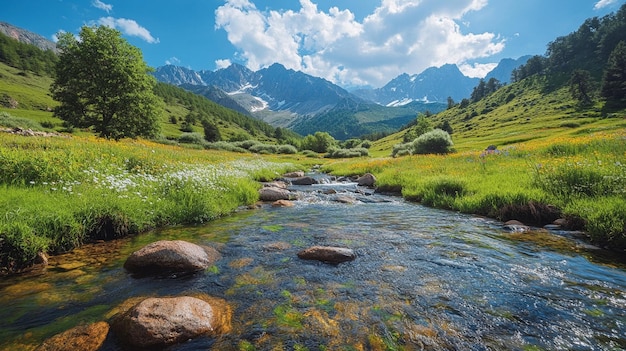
<point>347,153</point>
<point>264,149</point>
<point>191,138</point>
<point>310,153</point>
<point>287,149</point>
<point>436,141</point>
<point>226,146</point>
<point>401,149</point>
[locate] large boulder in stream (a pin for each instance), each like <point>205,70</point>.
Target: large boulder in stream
<point>81,338</point>
<point>367,180</point>
<point>175,256</point>
<point>328,254</point>
<point>158,322</point>
<point>271,193</point>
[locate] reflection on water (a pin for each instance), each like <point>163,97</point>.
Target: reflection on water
<point>424,279</point>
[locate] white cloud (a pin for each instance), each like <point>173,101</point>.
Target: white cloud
<point>172,61</point>
<point>603,3</point>
<point>476,70</point>
<point>128,27</point>
<point>222,63</point>
<point>102,6</point>
<point>397,37</point>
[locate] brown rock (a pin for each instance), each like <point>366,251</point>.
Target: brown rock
<point>81,338</point>
<point>304,181</point>
<point>158,322</point>
<point>274,194</point>
<point>367,179</point>
<point>296,174</point>
<point>171,256</point>
<point>276,184</point>
<point>327,254</point>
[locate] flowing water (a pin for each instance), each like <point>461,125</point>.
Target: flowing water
<point>423,279</point>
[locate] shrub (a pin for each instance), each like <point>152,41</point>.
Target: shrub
<point>247,144</point>
<point>401,149</point>
<point>226,146</point>
<point>264,149</point>
<point>436,141</point>
<point>191,138</point>
<point>347,153</point>
<point>287,149</point>
<point>310,153</point>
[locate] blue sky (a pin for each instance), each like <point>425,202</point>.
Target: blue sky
<point>349,42</point>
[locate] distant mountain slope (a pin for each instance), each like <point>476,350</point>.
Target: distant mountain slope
<point>291,99</point>
<point>27,37</point>
<point>434,84</point>
<point>505,67</point>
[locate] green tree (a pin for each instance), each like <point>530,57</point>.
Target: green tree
<point>451,102</point>
<point>102,82</point>
<point>211,131</point>
<point>614,82</point>
<point>581,86</point>
<point>318,142</point>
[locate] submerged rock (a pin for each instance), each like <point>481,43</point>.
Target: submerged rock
<point>81,338</point>
<point>345,200</point>
<point>171,256</point>
<point>329,254</point>
<point>274,194</point>
<point>282,203</point>
<point>516,226</point>
<point>158,322</point>
<point>367,179</point>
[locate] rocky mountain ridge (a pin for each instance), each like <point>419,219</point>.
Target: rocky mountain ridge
<point>25,36</point>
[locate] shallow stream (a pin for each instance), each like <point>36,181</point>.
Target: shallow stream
<point>423,279</point>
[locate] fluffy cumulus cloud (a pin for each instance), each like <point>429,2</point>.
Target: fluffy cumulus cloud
<point>222,63</point>
<point>128,27</point>
<point>398,36</point>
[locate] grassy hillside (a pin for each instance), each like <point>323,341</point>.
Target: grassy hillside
<point>521,112</point>
<point>27,95</point>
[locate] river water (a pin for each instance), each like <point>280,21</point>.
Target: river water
<point>423,279</point>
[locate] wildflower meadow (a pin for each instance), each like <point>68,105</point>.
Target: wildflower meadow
<point>60,192</point>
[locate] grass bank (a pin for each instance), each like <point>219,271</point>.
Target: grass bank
<point>579,177</point>
<point>59,192</point>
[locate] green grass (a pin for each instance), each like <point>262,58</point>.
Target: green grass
<point>61,192</point>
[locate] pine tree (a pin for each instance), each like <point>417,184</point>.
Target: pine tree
<point>614,82</point>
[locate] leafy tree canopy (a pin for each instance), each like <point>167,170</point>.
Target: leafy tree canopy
<point>102,82</point>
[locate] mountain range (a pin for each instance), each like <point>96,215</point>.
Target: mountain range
<point>303,103</point>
